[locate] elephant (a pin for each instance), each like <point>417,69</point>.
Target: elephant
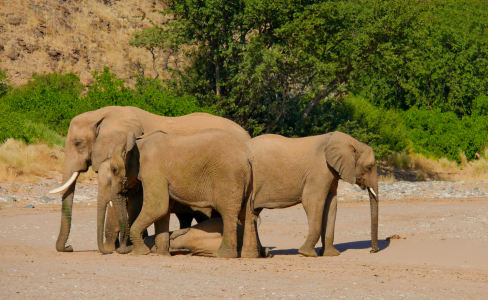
<point>202,239</point>
<point>288,171</point>
<point>92,135</point>
<point>211,168</point>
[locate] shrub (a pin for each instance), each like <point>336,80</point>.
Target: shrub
<point>380,128</point>
<point>17,126</point>
<point>443,134</point>
<point>51,99</point>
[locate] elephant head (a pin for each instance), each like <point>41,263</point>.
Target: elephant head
<point>355,163</point>
<point>124,170</point>
<point>91,136</point>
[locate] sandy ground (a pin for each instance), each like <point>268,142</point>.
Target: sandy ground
<point>441,254</point>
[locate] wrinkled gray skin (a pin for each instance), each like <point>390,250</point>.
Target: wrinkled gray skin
<point>92,135</point>
<point>288,171</point>
<point>211,168</point>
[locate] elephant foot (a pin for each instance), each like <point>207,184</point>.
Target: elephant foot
<point>310,252</point>
<point>226,253</point>
<point>124,249</point>
<point>329,251</point>
<point>264,251</point>
<point>161,252</point>
<point>140,250</point>
<point>250,254</point>
<point>64,249</point>
<point>109,246</point>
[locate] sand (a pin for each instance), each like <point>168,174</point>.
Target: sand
<point>439,252</point>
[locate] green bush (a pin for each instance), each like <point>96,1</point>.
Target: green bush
<point>15,125</point>
<point>443,134</point>
<point>380,128</point>
<point>51,99</point>
<point>42,109</point>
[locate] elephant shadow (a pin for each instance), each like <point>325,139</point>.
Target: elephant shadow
<point>382,244</point>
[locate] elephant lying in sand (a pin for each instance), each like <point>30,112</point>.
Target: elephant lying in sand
<point>202,239</point>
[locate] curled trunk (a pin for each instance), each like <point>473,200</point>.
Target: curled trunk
<point>373,199</point>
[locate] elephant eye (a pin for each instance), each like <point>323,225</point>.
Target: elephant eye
<point>114,170</point>
<point>78,143</point>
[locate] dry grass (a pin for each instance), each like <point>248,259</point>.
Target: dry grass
<point>386,178</point>
<point>102,31</point>
<point>441,169</point>
<point>30,163</point>
<point>27,163</point>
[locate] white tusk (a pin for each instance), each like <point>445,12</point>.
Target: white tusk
<point>372,192</point>
<point>67,184</point>
<point>111,204</point>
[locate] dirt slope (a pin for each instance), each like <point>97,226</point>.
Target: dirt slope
<point>77,36</point>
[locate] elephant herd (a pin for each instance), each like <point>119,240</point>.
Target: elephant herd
<point>201,166</point>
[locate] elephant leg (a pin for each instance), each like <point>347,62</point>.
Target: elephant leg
<point>313,203</point>
<point>251,247</point>
<point>161,228</point>
<point>228,247</point>
<point>328,222</point>
<point>185,220</point>
<point>134,207</point>
<point>154,207</point>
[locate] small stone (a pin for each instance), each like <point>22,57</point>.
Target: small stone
<point>45,199</point>
<point>9,198</point>
<point>32,48</point>
<point>14,21</point>
<point>2,48</point>
<point>13,55</point>
<point>29,206</point>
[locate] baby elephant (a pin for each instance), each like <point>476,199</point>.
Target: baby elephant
<point>211,168</point>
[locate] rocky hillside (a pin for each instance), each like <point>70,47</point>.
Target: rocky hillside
<point>79,36</point>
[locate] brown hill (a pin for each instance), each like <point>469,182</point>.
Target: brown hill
<point>79,36</point>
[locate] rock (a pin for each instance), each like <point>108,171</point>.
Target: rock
<point>2,48</point>
<point>32,48</point>
<point>9,198</point>
<point>45,199</point>
<point>22,43</point>
<point>13,54</point>
<point>14,21</point>
<point>29,206</point>
<point>43,29</point>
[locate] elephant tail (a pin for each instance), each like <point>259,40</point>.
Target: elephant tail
<point>252,194</point>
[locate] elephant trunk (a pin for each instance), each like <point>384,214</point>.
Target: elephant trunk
<point>101,208</point>
<point>373,199</point>
<point>66,211</point>
<point>120,202</point>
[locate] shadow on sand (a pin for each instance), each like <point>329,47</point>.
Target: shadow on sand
<point>382,244</point>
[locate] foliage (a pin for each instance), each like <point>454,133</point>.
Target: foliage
<point>443,134</point>
<point>42,109</point>
<point>51,99</point>
<point>15,125</point>
<point>430,54</point>
<point>4,87</point>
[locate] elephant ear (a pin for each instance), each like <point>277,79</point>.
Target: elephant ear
<point>131,142</point>
<point>341,156</point>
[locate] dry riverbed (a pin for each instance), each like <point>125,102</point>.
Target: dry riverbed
<point>438,250</point>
